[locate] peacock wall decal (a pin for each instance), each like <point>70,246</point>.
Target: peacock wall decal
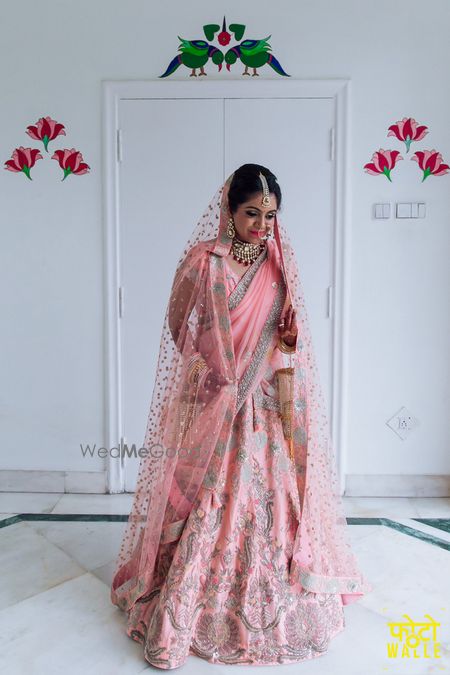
<point>195,54</point>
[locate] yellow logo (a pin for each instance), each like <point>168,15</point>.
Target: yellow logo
<point>410,639</point>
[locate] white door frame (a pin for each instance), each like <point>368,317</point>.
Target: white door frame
<point>112,92</point>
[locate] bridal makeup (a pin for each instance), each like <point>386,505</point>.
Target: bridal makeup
<point>254,222</point>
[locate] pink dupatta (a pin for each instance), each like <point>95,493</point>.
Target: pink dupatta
<point>249,316</point>
<point>235,335</point>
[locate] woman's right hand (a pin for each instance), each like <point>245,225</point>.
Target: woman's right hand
<point>213,381</point>
<point>210,385</point>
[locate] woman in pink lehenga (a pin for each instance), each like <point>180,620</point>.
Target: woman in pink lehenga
<point>236,548</point>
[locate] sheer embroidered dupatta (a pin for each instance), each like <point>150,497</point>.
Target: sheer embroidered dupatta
<point>183,457</point>
<point>254,308</point>
<point>176,457</point>
<point>323,560</point>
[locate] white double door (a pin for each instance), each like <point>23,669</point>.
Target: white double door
<point>175,153</point>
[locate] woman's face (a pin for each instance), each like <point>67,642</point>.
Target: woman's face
<point>253,221</point>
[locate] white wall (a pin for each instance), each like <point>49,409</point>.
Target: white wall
<point>55,56</point>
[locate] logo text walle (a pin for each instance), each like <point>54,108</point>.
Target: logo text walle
<point>412,632</point>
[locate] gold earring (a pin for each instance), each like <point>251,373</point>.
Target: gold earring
<point>231,231</point>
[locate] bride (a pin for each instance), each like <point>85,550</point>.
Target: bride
<point>236,548</point>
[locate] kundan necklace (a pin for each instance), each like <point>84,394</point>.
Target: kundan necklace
<point>245,252</point>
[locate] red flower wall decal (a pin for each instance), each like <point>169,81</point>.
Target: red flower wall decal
<point>383,161</point>
<point>45,130</point>
<point>430,161</point>
<point>71,161</point>
<point>407,130</point>
<point>22,159</point>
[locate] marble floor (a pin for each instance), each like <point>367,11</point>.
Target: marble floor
<point>57,556</point>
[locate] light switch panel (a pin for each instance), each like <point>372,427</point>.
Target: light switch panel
<point>381,210</point>
<point>403,210</point>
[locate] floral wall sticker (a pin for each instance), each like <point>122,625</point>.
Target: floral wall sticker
<point>407,131</point>
<point>23,159</point>
<point>430,161</point>
<point>383,161</point>
<point>46,130</point>
<point>252,53</point>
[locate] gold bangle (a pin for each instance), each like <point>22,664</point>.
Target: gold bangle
<point>196,366</point>
<point>287,349</point>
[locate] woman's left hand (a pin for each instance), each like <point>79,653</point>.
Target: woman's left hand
<point>288,330</point>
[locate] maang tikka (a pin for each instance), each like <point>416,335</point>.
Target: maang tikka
<point>266,197</point>
<point>245,251</point>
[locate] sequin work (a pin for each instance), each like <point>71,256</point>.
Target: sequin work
<point>236,548</point>
<point>221,588</point>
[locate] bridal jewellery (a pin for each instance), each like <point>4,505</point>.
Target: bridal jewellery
<point>285,380</point>
<point>245,252</point>
<point>189,407</point>
<point>284,347</point>
<point>266,198</point>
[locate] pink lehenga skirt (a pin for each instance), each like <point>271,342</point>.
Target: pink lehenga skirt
<point>221,590</point>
